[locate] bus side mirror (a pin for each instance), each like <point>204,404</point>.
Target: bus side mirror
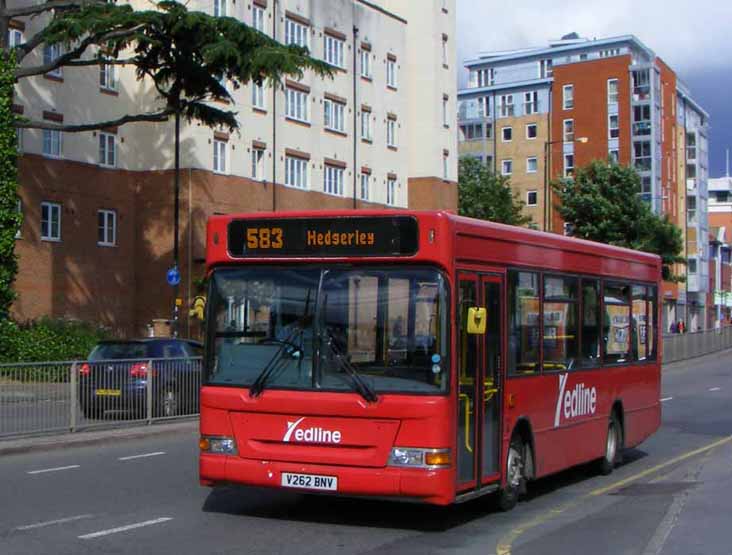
<point>199,308</point>
<point>477,319</point>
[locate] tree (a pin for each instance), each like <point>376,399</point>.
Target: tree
<point>9,215</point>
<point>487,196</point>
<point>603,203</point>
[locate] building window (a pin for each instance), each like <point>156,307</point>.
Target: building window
<point>296,33</point>
<point>531,165</point>
<point>258,96</point>
<point>366,64</point>
<point>609,52</point>
<point>391,191</point>
<point>391,73</point>
<point>642,156</point>
<point>613,127</point>
<point>507,134</point>
<point>296,172</point>
<point>107,150</point>
<point>545,69</point>
<point>445,166</point>
<point>445,115</point>
<point>50,221</point>
<point>568,130</point>
<point>366,132</point>
<point>365,178</point>
<point>257,163</point>
<point>614,155</point>
<point>50,53</point>
<point>334,115</point>
<point>296,106</point>
<point>532,198</point>
<point>612,91</point>
<point>258,18</point>
<point>691,210</point>
<point>106,228</point>
<point>391,138</point>
<point>219,8</point>
<point>506,167</point>
<point>568,165</point>
<point>531,102</point>
<point>334,51</point>
<point>642,120</point>
<point>108,77</point>
<point>219,156</point>
<point>568,97</point>
<point>15,38</point>
<point>486,77</point>
<point>641,84</point>
<point>531,131</point>
<point>506,105</point>
<point>333,184</point>
<point>52,143</point>
<point>444,50</point>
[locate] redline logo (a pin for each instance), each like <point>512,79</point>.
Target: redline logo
<point>310,435</point>
<point>579,401</point>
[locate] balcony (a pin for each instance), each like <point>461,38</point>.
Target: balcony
<point>471,109</point>
<point>643,164</point>
<point>642,128</point>
<point>641,93</point>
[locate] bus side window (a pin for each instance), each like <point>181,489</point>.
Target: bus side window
<point>617,324</point>
<point>651,331</point>
<point>639,323</point>
<point>590,323</point>
<point>523,323</point>
<point>560,323</point>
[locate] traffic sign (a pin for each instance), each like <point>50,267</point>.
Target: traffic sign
<point>173,276</point>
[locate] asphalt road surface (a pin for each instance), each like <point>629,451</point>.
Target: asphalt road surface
<point>672,496</point>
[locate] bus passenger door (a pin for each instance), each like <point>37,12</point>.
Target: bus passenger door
<point>468,370</point>
<point>491,379</point>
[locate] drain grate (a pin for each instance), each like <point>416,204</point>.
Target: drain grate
<point>656,488</point>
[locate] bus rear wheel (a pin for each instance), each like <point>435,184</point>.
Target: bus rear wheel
<point>515,475</point>
<point>612,446</point>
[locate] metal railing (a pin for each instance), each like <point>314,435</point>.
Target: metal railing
<point>43,397</point>
<point>684,346</point>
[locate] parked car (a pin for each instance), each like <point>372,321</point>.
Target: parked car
<point>115,377</point>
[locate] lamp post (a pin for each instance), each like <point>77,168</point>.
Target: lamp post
<point>547,177</point>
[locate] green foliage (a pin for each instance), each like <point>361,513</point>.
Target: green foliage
<point>47,340</point>
<point>603,204</point>
<point>487,196</point>
<point>9,217</point>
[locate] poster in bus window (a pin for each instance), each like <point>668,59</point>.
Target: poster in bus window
<point>529,321</point>
<point>618,336</point>
<point>640,328</point>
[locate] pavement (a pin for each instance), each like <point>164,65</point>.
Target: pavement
<point>140,494</point>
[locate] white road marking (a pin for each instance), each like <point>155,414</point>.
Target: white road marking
<point>141,456</point>
<point>52,522</point>
<point>715,389</point>
<point>124,528</point>
<point>57,469</point>
<point>666,399</point>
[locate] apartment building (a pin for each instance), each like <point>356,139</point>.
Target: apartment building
<point>97,236</point>
<point>720,222</point>
<point>536,114</point>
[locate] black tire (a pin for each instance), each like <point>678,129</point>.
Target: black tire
<point>515,475</point>
<point>613,445</point>
<point>168,402</point>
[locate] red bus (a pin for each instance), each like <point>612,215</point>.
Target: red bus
<point>420,355</point>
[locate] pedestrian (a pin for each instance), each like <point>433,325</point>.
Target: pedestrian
<point>674,327</point>
<point>681,327</point>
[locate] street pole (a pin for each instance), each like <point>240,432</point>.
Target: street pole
<point>176,219</point>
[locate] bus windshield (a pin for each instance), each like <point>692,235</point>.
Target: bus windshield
<point>305,325</point>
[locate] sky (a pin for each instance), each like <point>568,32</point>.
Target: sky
<point>693,36</point>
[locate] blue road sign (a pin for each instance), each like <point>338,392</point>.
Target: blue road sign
<point>173,276</point>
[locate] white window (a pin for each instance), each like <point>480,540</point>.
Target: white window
<point>333,184</point>
<point>258,96</point>
<point>107,150</point>
<point>531,165</point>
<point>614,155</point>
<point>609,52</point>
<point>531,102</point>
<point>391,191</point>
<point>15,38</point>
<point>365,179</point>
<point>531,131</point>
<point>507,167</point>
<point>219,8</point>
<point>366,132</point>
<point>444,50</point>
<point>568,130</point>
<point>445,166</point>
<point>296,172</point>
<point>258,18</point>
<point>545,69</point>
<point>366,64</point>
<point>50,53</point>
<point>296,33</point>
<point>568,97</point>
<point>612,91</point>
<point>257,163</point>
<point>297,104</point>
<point>106,228</point>
<point>391,137</point>
<point>445,115</point>
<point>506,105</point>
<point>532,198</point>
<point>391,73</point>
<point>108,77</point>
<point>335,119</point>
<point>219,156</point>
<point>334,51</point>
<point>507,134</point>
<point>568,165</point>
<point>486,77</point>
<point>19,210</point>
<point>613,124</point>
<point>52,143</point>
<point>50,221</point>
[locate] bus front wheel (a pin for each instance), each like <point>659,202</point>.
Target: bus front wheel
<point>515,475</point>
<point>612,446</point>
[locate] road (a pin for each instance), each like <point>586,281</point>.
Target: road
<point>672,496</point>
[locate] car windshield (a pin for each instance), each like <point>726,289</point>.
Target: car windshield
<point>119,351</point>
<point>389,324</point>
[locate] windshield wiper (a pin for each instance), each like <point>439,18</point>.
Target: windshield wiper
<point>363,388</point>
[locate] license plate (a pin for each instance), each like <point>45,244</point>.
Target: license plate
<point>109,392</point>
<point>309,481</point>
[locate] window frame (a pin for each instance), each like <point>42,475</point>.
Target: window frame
<point>297,104</point>
<point>52,207</point>
<point>568,99</point>
<point>259,98</point>
<point>105,151</point>
<point>219,156</point>
<point>392,80</point>
<point>258,20</point>
<point>613,97</point>
<point>334,115</point>
<point>391,185</point>
<point>536,198</point>
<point>296,33</point>
<point>107,216</point>
<point>568,137</point>
<point>535,159</point>
<point>297,172</point>
<point>613,132</point>
<point>503,167</point>
<point>334,51</point>
<point>51,133</point>
<point>391,133</point>
<point>333,180</point>
<point>536,131</point>
<point>257,160</point>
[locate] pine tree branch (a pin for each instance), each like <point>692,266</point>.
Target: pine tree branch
<point>154,117</point>
<point>37,9</point>
<point>99,62</point>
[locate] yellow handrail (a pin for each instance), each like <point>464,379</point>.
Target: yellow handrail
<point>465,397</point>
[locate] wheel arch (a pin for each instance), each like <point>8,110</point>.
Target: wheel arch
<point>523,429</point>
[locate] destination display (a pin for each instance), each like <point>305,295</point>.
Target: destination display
<point>323,237</point>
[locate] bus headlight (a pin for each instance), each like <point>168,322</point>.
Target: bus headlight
<point>420,458</point>
<point>217,445</point>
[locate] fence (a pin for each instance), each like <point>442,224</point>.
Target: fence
<point>69,396</point>
<point>689,345</point>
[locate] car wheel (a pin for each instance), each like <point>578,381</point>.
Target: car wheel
<point>515,475</point>
<point>612,447</point>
